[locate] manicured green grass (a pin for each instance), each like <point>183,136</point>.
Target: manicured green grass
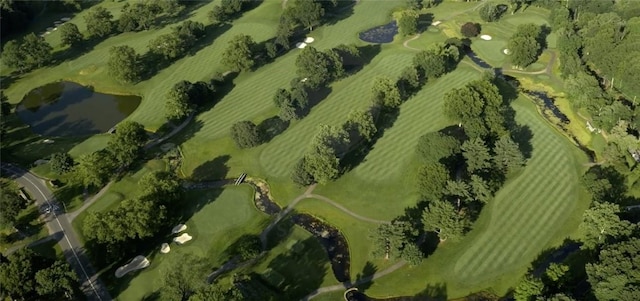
<point>355,231</point>
<point>391,165</point>
<point>533,211</point>
<point>219,218</point>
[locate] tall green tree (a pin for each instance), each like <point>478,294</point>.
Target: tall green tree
<point>94,169</point>
<point>408,22</point>
<point>442,217</point>
<point>245,134</point>
<point>61,163</point>
<point>319,68</point>
<point>362,123</point>
<point>489,12</point>
<point>432,178</point>
<point>17,275</point>
<point>385,92</point>
<point>601,224</point>
<point>307,12</point>
<point>528,289</point>
<point>12,56</point>
<point>616,273</point>
<point>70,34</point>
<point>434,146</point>
<point>239,54</point>
<point>508,157</point>
<point>476,155</point>
<point>36,49</point>
<point>524,45</point>
<point>127,142</point>
<point>99,22</point>
<point>125,64</point>
<point>181,278</point>
<point>11,205</point>
<point>56,281</point>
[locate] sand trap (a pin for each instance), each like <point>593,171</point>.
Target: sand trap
<point>179,228</point>
<point>182,238</point>
<point>164,248</point>
<point>309,40</point>
<point>65,19</point>
<point>301,45</point>
<point>58,22</point>
<point>137,263</point>
<point>506,51</point>
<point>436,23</point>
<point>55,28</point>
<point>304,80</point>
<point>485,37</point>
<point>49,28</point>
<point>46,33</point>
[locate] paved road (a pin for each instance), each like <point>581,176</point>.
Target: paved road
<point>58,225</point>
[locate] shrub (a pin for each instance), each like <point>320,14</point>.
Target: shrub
<point>470,29</point>
<point>300,175</point>
<point>245,134</point>
<point>61,163</point>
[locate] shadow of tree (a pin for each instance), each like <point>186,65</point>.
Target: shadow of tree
<point>272,127</point>
<point>424,21</point>
<point>215,169</point>
<point>368,270</point>
<point>522,135</point>
<point>300,269</point>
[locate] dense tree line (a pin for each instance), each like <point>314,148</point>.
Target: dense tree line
<point>95,169</point>
<point>229,10</point>
<point>26,275</point>
<point>599,64</point>
<point>299,15</point>
<point>323,160</point>
<point>526,44</point>
<point>463,168</point>
<point>11,203</point>
<point>26,53</point>
<point>135,219</point>
<point>186,97</point>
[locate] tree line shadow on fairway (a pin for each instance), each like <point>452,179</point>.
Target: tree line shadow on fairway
<point>274,125</point>
<point>88,45</point>
<point>432,292</point>
<point>154,63</point>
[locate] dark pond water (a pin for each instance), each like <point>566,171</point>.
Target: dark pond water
<point>333,242</point>
<point>478,61</point>
<point>69,109</point>
<point>550,104</point>
<point>380,34</point>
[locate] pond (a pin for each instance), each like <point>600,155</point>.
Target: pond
<point>69,109</point>
<point>380,34</point>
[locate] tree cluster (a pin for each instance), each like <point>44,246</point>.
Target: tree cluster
<point>124,147</point>
<point>240,53</point>
<point>125,64</point>
<point>322,162</point>
<point>397,240</point>
<point>177,43</point>
<point>11,203</point>
<point>139,218</point>
<point>228,10</point>
<point>525,45</point>
<point>27,276</point>
<point>455,195</point>
<point>408,22</point>
<point>470,29</point>
<point>138,16</point>
<point>305,14</point>
<point>490,12</point>
<point>186,97</point>
<point>600,66</point>
<point>26,53</point>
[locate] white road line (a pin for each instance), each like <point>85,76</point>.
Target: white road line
<point>63,233</point>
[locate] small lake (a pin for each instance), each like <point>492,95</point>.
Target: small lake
<point>380,34</point>
<point>69,109</point>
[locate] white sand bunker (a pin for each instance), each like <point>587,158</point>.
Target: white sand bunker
<point>137,263</point>
<point>485,37</point>
<point>301,45</point>
<point>164,248</point>
<point>179,228</point>
<point>506,51</point>
<point>185,237</point>
<point>309,40</point>
<point>436,23</point>
<point>49,28</point>
<point>65,19</point>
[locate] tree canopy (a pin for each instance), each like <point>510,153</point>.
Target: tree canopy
<point>239,54</point>
<point>61,163</point>
<point>70,34</point>
<point>127,142</point>
<point>524,45</point>
<point>616,273</point>
<point>99,22</point>
<point>125,64</point>
<point>245,134</point>
<point>442,217</point>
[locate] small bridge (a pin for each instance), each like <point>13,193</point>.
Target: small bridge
<point>240,179</point>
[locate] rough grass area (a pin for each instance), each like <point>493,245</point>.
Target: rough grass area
<point>219,218</point>
<point>532,212</point>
